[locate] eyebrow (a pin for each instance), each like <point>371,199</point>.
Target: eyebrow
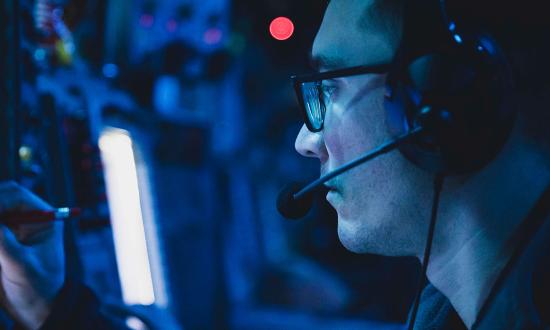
<point>324,62</point>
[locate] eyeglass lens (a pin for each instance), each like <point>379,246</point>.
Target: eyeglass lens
<point>314,104</point>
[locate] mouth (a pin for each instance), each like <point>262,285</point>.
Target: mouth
<point>332,194</point>
<point>334,199</point>
<point>330,187</point>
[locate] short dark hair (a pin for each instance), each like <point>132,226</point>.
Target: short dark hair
<point>382,15</point>
<point>523,32</point>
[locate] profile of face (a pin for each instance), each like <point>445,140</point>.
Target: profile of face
<point>383,205</point>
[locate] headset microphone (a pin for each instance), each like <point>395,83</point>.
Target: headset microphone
<point>295,200</point>
<point>290,207</point>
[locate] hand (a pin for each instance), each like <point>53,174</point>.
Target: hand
<point>32,262</point>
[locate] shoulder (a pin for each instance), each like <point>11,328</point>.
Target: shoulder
<point>523,297</point>
<point>541,284</point>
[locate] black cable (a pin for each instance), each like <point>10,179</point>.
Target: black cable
<point>438,184</point>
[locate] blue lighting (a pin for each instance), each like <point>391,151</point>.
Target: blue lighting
<point>445,115</point>
<point>110,70</point>
<point>40,54</point>
<point>166,95</point>
<point>452,26</point>
<point>458,38</point>
<point>487,45</point>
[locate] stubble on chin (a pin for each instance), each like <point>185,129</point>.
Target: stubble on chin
<point>351,236</point>
<point>358,237</point>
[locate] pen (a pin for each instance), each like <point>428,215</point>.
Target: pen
<point>39,216</point>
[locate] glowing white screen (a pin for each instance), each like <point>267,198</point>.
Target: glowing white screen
<point>126,217</point>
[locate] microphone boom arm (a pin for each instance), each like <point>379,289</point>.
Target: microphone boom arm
<point>387,147</point>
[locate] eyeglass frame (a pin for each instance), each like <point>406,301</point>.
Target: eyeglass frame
<point>298,80</point>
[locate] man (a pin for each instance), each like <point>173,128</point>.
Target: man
<point>383,207</point>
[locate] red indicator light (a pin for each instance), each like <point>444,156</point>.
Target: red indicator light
<point>281,28</point>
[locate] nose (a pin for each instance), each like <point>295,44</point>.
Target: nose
<point>309,144</point>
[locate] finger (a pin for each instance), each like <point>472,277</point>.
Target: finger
<point>14,197</point>
<point>27,234</point>
<point>11,251</point>
<point>40,235</point>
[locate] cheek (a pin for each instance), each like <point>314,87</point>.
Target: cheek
<point>352,131</point>
<point>339,137</point>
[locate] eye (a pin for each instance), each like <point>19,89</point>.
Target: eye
<point>327,90</point>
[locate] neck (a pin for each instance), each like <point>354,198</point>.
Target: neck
<point>477,219</point>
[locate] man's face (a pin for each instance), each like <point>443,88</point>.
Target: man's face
<point>382,206</point>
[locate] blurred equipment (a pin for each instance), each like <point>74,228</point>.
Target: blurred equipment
<point>138,28</point>
<point>10,91</point>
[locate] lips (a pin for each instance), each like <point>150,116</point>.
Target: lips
<point>333,193</point>
<point>333,197</point>
<point>330,186</point>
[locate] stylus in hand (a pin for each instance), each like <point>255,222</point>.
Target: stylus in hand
<point>37,217</point>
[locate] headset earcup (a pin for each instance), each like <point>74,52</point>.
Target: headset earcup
<point>459,94</point>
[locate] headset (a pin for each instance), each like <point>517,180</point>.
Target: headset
<point>454,81</point>
<point>449,104</point>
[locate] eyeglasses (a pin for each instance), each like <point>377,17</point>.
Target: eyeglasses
<point>313,96</point>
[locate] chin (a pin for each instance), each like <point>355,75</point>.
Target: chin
<point>377,240</point>
<point>352,238</point>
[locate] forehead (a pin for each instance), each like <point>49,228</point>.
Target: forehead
<point>354,32</point>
